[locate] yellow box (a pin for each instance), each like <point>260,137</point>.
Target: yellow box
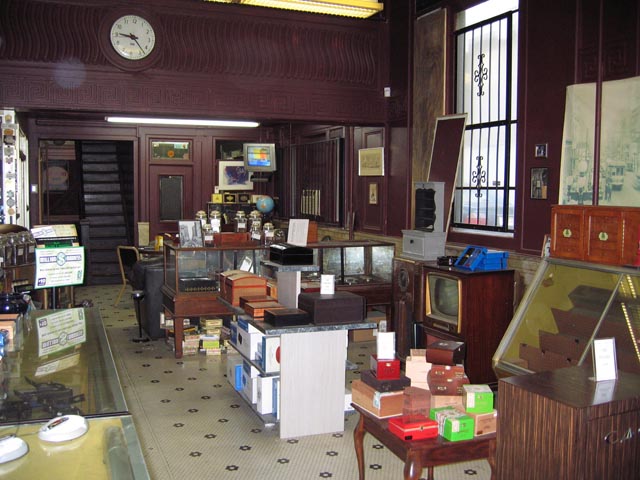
<point>216,198</point>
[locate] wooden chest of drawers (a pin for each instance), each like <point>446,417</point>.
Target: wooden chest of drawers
<point>607,235</point>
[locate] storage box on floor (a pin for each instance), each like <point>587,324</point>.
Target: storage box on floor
<point>368,334</point>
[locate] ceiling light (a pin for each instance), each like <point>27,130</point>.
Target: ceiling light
<point>183,121</point>
<point>345,8</point>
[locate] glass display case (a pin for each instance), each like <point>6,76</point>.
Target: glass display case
<point>196,270</point>
<point>567,306</point>
<point>353,262</point>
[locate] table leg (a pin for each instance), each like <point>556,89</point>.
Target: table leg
<point>358,438</point>
<point>178,336</point>
<point>413,467</point>
<point>492,459</point>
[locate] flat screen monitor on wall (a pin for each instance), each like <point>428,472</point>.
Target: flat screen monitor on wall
<point>260,157</point>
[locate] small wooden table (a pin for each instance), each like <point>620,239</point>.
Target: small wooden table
<point>418,454</point>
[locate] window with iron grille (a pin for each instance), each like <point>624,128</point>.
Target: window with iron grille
<point>486,81</point>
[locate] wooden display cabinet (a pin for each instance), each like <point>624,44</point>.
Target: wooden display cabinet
<point>475,307</point>
<point>562,425</point>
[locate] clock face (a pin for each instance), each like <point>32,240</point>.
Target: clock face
<point>132,37</point>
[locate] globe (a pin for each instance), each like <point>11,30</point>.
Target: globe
<point>265,204</point>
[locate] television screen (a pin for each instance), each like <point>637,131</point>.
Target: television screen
<point>260,157</point>
<point>443,302</point>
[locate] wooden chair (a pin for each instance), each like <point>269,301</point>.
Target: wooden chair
<point>127,258</point>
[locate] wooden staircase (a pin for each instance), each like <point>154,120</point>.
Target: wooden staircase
<point>107,173</point>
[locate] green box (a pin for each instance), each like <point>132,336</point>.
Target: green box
<point>453,424</point>
<point>477,398</point>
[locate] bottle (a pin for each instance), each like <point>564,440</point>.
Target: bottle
<point>256,232</point>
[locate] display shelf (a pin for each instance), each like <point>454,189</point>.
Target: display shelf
<point>310,403</point>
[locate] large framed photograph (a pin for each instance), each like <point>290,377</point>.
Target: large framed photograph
<point>190,233</point>
<point>232,175</point>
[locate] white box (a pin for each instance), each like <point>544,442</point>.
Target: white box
<point>247,343</point>
<point>276,397</point>
<point>265,395</point>
<point>250,381</point>
<point>234,371</point>
<point>268,355</point>
<point>419,245</point>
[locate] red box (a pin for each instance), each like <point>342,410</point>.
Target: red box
<point>385,369</point>
<point>413,427</point>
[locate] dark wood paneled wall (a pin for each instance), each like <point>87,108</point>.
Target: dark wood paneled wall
<point>213,60</point>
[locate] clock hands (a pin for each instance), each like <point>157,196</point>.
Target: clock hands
<point>134,38</point>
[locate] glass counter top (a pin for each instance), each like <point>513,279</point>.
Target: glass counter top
<point>59,362</point>
<point>109,450</point>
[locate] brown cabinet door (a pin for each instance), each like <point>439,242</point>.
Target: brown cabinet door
<point>567,232</point>
<point>170,197</point>
<point>604,236</point>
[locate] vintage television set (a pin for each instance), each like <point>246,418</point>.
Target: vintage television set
<point>470,306</point>
<point>259,159</point>
<point>442,302</point>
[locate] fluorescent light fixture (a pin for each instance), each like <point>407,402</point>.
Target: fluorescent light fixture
<point>345,8</point>
<point>183,121</point>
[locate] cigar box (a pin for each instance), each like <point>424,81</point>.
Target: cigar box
<point>255,298</point>
<point>413,427</point>
<point>286,317</point>
<point>222,277</point>
<point>439,401</point>
<point>336,308</point>
<point>416,401</point>
<point>484,423</point>
<point>445,352</point>
<point>477,398</point>
<point>380,404</point>
<point>256,309</point>
<point>243,284</point>
<point>385,369</point>
<point>453,424</point>
<point>288,254</point>
<point>417,368</point>
<point>382,385</point>
<point>447,379</point>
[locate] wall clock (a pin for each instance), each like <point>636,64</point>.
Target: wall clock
<point>132,37</point>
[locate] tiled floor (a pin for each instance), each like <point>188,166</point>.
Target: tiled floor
<point>193,424</point>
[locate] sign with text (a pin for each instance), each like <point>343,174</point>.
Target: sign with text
<point>59,267</point>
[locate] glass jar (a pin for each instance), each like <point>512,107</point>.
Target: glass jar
<point>215,220</point>
<point>3,243</point>
<point>10,250</point>
<point>31,248</point>
<point>207,235</point>
<point>201,215</point>
<point>240,221</point>
<point>279,236</point>
<point>255,232</point>
<point>255,217</point>
<point>268,233</point>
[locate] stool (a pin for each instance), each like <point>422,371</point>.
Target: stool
<point>137,296</point>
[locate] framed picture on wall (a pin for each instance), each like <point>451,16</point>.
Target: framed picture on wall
<point>371,162</point>
<point>232,175</point>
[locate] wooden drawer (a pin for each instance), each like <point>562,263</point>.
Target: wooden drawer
<point>607,235</point>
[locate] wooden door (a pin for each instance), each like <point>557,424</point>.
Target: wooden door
<point>170,197</point>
